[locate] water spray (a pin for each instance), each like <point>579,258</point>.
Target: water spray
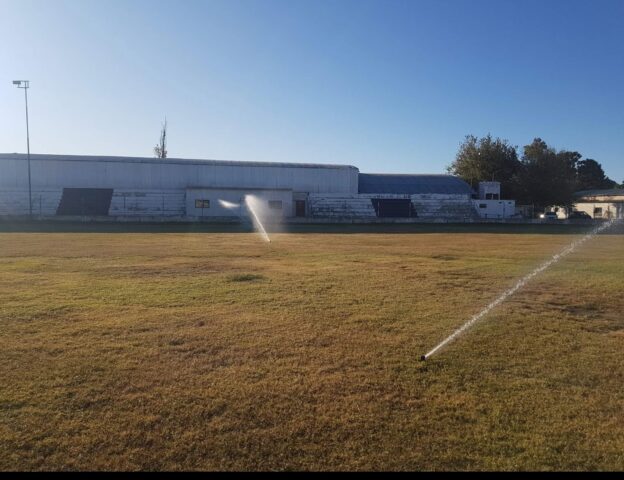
<point>229,205</point>
<point>252,204</point>
<point>521,283</point>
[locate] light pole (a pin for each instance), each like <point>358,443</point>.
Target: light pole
<point>25,84</point>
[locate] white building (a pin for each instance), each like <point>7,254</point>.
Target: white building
<point>597,204</point>
<point>144,187</point>
<point>605,204</point>
<point>489,205</point>
<point>127,188</point>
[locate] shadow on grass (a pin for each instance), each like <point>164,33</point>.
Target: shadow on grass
<point>127,227</point>
<point>245,277</point>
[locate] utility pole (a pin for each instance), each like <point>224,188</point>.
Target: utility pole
<point>25,84</point>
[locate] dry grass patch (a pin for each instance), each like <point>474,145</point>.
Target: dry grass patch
<point>217,351</point>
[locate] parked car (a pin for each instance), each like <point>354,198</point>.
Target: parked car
<point>548,216</point>
<point>583,215</point>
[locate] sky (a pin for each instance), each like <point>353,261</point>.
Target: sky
<point>389,86</point>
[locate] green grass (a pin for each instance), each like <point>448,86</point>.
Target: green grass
<point>217,351</point>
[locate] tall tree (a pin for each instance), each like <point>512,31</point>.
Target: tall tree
<point>487,159</point>
<point>590,175</point>
<point>160,150</point>
<point>547,177</point>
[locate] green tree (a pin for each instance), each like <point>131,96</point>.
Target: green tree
<point>590,175</point>
<point>547,177</point>
<point>487,159</point>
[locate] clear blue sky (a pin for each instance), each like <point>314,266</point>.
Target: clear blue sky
<point>388,86</point>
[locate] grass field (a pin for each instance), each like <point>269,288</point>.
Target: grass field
<point>217,351</point>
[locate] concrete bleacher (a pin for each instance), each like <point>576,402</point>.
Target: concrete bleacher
<point>322,206</point>
<point>427,206</point>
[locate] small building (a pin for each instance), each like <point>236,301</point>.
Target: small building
<point>601,204</point>
<point>489,203</point>
<point>489,190</point>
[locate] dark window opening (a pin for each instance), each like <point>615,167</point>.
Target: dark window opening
<point>275,204</point>
<point>92,202</point>
<point>482,205</point>
<point>492,196</point>
<point>394,207</point>
<point>200,203</point>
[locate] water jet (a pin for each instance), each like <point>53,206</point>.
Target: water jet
<point>253,207</point>
<point>521,283</point>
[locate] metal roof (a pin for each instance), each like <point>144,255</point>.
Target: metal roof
<point>185,161</point>
<point>412,184</point>
<point>612,192</point>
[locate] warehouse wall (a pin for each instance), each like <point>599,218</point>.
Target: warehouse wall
<point>139,203</point>
<point>52,171</point>
<point>213,208</point>
<point>144,188</point>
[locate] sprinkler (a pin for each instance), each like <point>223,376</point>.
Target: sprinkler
<point>521,283</point>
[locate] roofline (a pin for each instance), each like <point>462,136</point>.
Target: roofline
<point>411,175</point>
<point>382,183</point>
<point>236,189</point>
<point>600,192</point>
<point>172,161</point>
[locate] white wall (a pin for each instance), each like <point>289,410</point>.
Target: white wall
<point>495,208</point>
<point>57,171</point>
<point>44,201</point>
<point>609,210</point>
<point>142,203</point>
<point>236,196</point>
<point>489,188</point>
<point>154,187</point>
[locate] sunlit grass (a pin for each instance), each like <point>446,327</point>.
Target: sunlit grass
<point>218,351</point>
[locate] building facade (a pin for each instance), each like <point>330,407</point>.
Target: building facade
<point>147,187</point>
<point>601,204</point>
<point>127,188</point>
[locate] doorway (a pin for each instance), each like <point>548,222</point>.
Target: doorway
<point>300,208</point>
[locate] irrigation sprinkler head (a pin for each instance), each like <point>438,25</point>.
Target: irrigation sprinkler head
<point>423,358</point>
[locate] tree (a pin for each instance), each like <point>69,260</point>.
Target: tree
<point>487,159</point>
<point>608,183</point>
<point>160,150</point>
<point>590,175</point>
<point>547,177</point>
